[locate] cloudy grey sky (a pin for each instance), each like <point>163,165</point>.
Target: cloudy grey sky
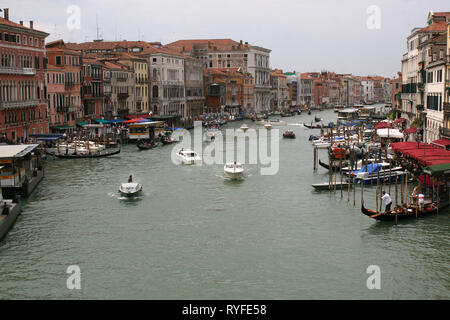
<point>304,35</point>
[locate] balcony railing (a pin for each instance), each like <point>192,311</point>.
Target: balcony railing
<point>445,133</point>
<point>122,95</point>
<point>447,107</point>
<point>19,104</point>
<point>15,70</point>
<point>138,98</point>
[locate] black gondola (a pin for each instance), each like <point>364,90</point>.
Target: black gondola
<point>326,166</point>
<point>318,126</point>
<point>410,213</point>
<point>146,146</point>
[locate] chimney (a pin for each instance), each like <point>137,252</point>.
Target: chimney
<point>6,10</point>
<point>21,22</point>
<point>240,41</point>
<point>31,24</point>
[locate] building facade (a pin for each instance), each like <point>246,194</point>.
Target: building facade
<point>23,107</point>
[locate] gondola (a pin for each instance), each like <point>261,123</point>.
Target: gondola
<point>311,126</point>
<point>100,154</point>
<point>326,166</point>
<point>409,214</point>
<point>167,140</point>
<point>146,146</point>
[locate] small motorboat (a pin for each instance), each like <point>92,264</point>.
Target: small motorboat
<point>309,112</point>
<point>146,145</point>
<point>317,119</point>
<point>130,189</point>
<point>244,127</point>
<point>188,156</point>
<point>233,170</point>
<point>289,134</point>
<point>167,140</point>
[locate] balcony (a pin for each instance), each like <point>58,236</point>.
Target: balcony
<point>445,133</point>
<point>19,104</point>
<point>447,108</point>
<point>122,79</point>
<point>138,98</point>
<point>20,71</point>
<point>122,95</point>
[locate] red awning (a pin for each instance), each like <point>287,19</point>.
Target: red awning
<point>442,142</point>
<point>424,153</point>
<point>412,129</point>
<point>381,125</point>
<point>399,120</point>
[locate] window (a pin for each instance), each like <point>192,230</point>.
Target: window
<point>1,36</point>
<point>18,39</point>
<point>58,60</point>
<point>154,60</point>
<point>24,40</point>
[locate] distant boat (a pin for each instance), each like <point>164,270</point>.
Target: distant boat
<point>244,127</point>
<point>289,134</point>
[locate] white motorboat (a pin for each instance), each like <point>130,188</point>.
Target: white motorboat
<point>233,170</point>
<point>130,189</point>
<point>212,133</point>
<point>188,156</point>
<point>244,127</point>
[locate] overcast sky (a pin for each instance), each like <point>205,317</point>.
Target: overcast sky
<point>308,35</point>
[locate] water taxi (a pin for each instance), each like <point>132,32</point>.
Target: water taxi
<point>130,189</point>
<point>233,170</point>
<point>188,156</point>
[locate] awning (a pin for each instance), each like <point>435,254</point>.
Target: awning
<point>81,123</point>
<point>399,120</point>
<point>412,129</point>
<point>117,120</point>
<point>438,169</point>
<point>63,127</point>
<point>102,121</point>
<point>442,142</point>
<point>390,133</point>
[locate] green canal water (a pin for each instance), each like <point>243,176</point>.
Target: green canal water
<point>195,235</point>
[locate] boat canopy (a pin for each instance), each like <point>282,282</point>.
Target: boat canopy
<point>390,133</point>
<point>370,168</point>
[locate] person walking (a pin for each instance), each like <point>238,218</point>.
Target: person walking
<point>387,200</point>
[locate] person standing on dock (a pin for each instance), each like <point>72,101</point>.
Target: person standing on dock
<point>387,200</point>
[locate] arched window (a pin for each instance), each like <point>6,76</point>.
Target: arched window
<point>155,91</point>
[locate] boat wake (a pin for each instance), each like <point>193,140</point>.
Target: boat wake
<point>117,196</point>
<point>295,124</point>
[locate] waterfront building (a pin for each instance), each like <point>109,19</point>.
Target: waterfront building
<point>139,66</point>
<point>434,66</point>
<point>195,98</point>
<point>396,91</point>
<point>23,108</point>
<point>292,82</point>
<point>56,98</point>
<point>445,130</point>
<point>118,88</point>
<point>227,53</point>
<point>228,90</point>
<point>279,91</point>
<point>306,91</point>
<point>367,90</point>
<point>92,89</point>
<point>413,72</point>
<point>69,111</point>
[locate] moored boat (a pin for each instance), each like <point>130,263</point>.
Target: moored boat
<point>146,145</point>
<point>400,213</point>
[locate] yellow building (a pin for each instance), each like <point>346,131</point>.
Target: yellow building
<point>141,82</point>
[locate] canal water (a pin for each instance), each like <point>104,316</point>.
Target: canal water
<point>195,235</point>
